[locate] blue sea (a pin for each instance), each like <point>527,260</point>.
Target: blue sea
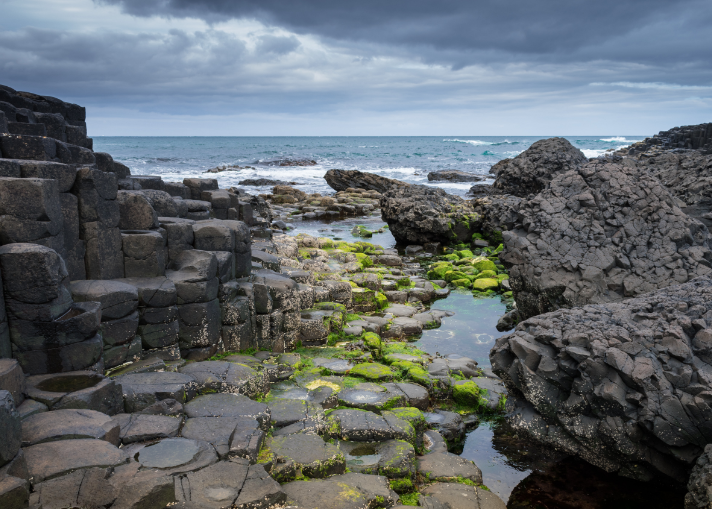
<point>400,157</point>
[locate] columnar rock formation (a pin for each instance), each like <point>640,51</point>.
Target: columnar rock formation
<point>692,137</point>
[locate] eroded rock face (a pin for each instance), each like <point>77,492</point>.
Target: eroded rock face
<point>533,169</point>
<point>626,386</point>
<point>598,234</point>
<point>420,214</point>
<point>341,180</point>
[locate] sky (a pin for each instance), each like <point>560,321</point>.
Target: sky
<point>372,67</point>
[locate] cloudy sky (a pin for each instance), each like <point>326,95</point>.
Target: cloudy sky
<point>367,67</point>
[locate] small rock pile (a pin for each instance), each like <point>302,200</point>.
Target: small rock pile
<point>291,204</point>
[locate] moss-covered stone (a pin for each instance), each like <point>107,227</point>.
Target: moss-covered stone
<point>414,416</point>
<point>462,283</point>
<point>469,394</point>
<point>486,274</point>
<point>453,275</point>
<point>364,260</point>
<point>482,263</point>
<point>465,253</point>
<point>372,371</point>
<point>373,342</point>
<point>485,284</point>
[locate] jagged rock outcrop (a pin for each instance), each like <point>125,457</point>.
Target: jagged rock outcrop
<point>497,213</point>
<point>533,169</point>
<point>688,176</point>
<point>694,137</point>
<point>341,180</point>
<point>419,214</point>
<point>699,494</point>
<point>599,234</point>
<point>625,386</point>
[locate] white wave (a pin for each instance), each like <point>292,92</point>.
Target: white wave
<point>472,142</point>
<point>618,139</point>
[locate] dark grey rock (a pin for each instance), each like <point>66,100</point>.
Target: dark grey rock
<point>67,425</point>
<point>392,458</point>
<point>10,428</point>
<point>455,176</point>
<point>79,390</point>
<point>141,428</point>
<point>621,385</point>
<point>117,299</point>
<point>234,437</point>
<point>340,180</point>
<point>53,459</point>
<point>224,376</point>
<point>12,379</point>
<point>172,456</point>
<point>310,454</point>
<point>144,389</point>
<point>158,292</point>
<point>449,424</point>
<point>589,238</point>
<point>228,405</point>
<point>459,496</point>
<point>444,467</point>
<point>364,426</point>
<point>531,171</point>
<point>285,412</point>
<point>13,492</point>
<point>136,211</point>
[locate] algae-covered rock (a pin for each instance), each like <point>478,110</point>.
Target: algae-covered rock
<point>485,284</point>
<point>484,264</point>
<point>372,371</point>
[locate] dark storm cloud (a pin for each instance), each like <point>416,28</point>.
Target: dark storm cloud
<point>277,44</point>
<point>466,30</point>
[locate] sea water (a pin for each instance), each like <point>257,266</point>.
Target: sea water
<point>404,158</point>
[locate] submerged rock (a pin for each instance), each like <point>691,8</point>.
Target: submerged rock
<point>623,385</point>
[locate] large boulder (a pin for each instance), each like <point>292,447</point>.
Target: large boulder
<point>625,386</point>
<point>533,169</point>
<point>420,214</point>
<point>341,180</point>
<point>598,234</point>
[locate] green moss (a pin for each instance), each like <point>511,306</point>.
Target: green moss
<point>485,284</point>
<point>453,275</point>
<point>469,394</point>
<point>402,486</point>
<point>381,300</point>
<point>462,283</point>
<point>410,499</point>
<point>451,257</point>
<point>364,260</point>
<point>403,282</point>
<point>350,317</point>
<point>487,274</point>
<point>412,415</point>
<point>465,253</point>
<point>482,263</point>
<point>372,371</point>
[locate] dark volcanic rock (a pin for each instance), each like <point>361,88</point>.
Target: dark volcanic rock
<point>497,213</point>
<point>455,176</point>
<point>694,137</point>
<point>290,162</point>
<point>599,234</point>
<point>625,386</point>
<point>420,214</point>
<point>699,495</point>
<point>480,190</point>
<point>688,176</point>
<point>533,169</point>
<point>340,180</point>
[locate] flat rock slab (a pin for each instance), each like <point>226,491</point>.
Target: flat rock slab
<point>372,371</point>
<point>494,388</point>
<point>416,395</point>
<point>233,483</point>
<point>174,455</point>
<point>142,390</point>
<point>13,493</point>
<point>228,405</point>
<point>12,379</point>
<point>364,426</point>
<point>141,428</point>
<point>117,299</point>
<point>310,454</point>
<point>284,412</point>
<point>223,376</point>
<point>370,400</point>
<point>247,360</point>
<point>52,459</point>
<point>433,442</point>
<point>392,458</point>
<point>77,389</point>
<point>462,496</point>
<point>31,407</point>
<point>348,491</point>
<point>67,425</point>
<point>401,310</point>
<point>231,436</point>
<point>449,424</point>
<point>336,366</point>
<point>443,466</point>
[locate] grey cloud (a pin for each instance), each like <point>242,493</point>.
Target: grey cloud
<point>470,29</point>
<point>278,45</point>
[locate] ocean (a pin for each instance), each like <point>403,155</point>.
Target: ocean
<point>400,157</point>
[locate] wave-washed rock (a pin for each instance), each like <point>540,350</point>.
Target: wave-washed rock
<point>420,214</point>
<point>265,182</point>
<point>599,234</point>
<point>341,180</point>
<point>533,169</point>
<point>455,176</point>
<point>694,137</point>
<point>626,386</point>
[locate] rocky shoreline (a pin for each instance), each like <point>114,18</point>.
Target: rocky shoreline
<point>170,344</point>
